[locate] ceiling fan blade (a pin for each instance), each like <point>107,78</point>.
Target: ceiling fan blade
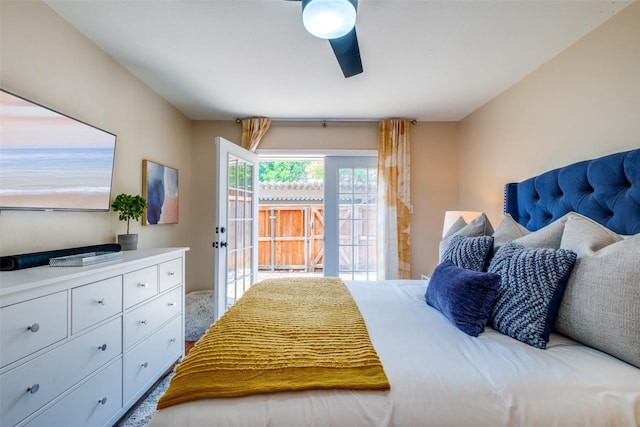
<point>347,53</point>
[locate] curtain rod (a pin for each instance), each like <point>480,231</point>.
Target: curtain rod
<point>327,121</point>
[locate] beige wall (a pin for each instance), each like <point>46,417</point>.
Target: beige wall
<point>202,210</point>
<point>582,104</point>
<point>434,178</point>
<point>46,60</point>
<point>434,189</point>
<point>312,136</point>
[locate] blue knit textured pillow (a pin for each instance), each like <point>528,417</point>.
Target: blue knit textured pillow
<point>465,297</point>
<point>471,253</point>
<point>532,283</point>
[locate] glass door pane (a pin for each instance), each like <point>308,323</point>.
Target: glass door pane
<point>239,218</point>
<point>350,206</point>
<point>235,265</point>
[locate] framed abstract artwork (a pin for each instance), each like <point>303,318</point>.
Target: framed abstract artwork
<point>160,188</point>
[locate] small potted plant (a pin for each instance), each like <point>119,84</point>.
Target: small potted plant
<point>128,207</point>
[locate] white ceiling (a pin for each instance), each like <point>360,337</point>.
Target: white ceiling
<point>423,59</point>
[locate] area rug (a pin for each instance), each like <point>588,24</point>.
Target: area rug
<point>198,314</point>
<point>141,416</point>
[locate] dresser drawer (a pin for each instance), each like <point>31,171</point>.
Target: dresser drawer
<point>147,361</point>
<point>143,320</point>
<point>31,325</point>
<point>140,285</point>
<point>33,384</point>
<point>170,274</point>
<point>95,302</point>
<point>91,404</point>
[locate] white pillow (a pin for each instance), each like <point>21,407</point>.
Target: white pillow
<point>601,304</point>
<point>479,226</point>
<point>548,236</point>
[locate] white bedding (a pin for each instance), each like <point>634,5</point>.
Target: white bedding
<point>442,377</point>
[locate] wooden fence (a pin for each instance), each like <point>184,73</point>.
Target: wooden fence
<point>291,237</point>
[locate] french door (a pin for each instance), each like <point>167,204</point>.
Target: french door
<point>350,217</point>
<point>236,239</point>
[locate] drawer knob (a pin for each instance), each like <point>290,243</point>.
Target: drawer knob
<point>103,401</point>
<point>34,328</point>
<point>172,304</point>
<point>143,285</point>
<point>145,364</point>
<point>102,301</point>
<point>172,340</point>
<point>171,273</point>
<point>143,322</point>
<point>102,347</point>
<point>34,388</point>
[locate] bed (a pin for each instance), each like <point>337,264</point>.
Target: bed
<point>583,372</point>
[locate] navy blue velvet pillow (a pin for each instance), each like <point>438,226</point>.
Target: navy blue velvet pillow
<point>465,297</point>
<point>472,253</point>
<point>533,282</point>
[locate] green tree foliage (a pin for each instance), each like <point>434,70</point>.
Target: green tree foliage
<point>289,171</point>
<point>315,170</point>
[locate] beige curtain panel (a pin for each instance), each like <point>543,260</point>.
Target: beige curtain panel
<point>394,200</point>
<point>253,129</point>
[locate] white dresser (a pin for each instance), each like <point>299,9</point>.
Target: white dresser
<point>80,345</point>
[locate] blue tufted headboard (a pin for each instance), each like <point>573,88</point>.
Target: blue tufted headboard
<point>606,190</point>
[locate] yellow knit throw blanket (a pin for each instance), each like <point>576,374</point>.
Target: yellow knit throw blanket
<point>282,335</point>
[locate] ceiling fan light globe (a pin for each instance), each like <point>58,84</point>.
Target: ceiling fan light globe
<point>328,19</point>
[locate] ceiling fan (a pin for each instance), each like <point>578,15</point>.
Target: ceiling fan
<point>335,20</point>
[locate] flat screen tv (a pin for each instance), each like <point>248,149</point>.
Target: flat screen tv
<point>50,161</point>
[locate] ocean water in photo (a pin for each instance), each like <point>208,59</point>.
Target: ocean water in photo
<point>50,171</point>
